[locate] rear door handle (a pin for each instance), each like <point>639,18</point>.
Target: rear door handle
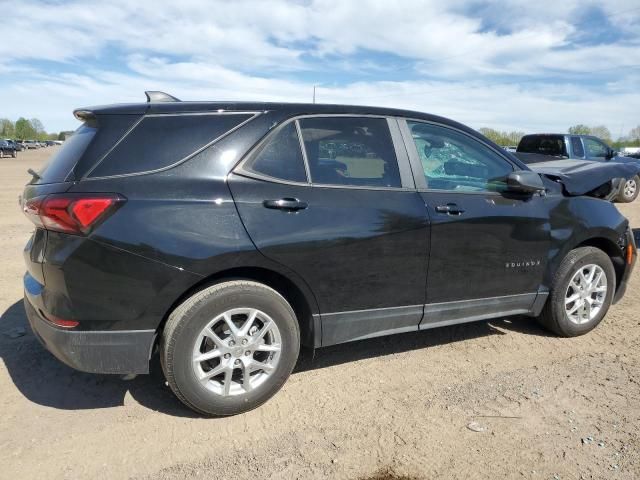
<point>450,209</point>
<point>289,204</point>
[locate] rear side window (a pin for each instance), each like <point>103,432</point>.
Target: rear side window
<point>543,144</point>
<point>356,151</point>
<point>160,141</point>
<point>280,157</point>
<point>62,162</point>
<point>576,146</point>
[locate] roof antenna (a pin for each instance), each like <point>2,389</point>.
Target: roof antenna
<point>154,96</point>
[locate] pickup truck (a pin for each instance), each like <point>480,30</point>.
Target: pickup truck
<point>558,147</point>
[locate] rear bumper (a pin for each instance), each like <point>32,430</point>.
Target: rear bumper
<point>120,352</point>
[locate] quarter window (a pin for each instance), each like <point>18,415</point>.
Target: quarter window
<point>355,151</point>
<point>163,140</point>
<point>454,161</point>
<point>280,157</point>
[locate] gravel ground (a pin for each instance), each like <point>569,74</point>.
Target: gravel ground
<point>396,407</point>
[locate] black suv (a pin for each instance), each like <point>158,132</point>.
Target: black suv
<point>226,235</point>
<point>8,149</point>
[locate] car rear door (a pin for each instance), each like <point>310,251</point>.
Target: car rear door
<point>488,247</point>
<point>332,198</point>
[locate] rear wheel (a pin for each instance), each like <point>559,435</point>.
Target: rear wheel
<point>630,190</point>
<point>230,347</point>
<point>581,293</point>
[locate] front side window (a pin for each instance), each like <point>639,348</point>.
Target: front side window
<point>595,148</point>
<point>454,161</point>
<point>576,145</point>
<point>354,151</point>
<point>280,157</point>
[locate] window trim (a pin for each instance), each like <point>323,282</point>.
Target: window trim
<point>414,157</point>
<point>252,116</point>
<point>407,182</point>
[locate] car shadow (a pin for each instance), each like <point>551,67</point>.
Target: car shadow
<point>44,380</point>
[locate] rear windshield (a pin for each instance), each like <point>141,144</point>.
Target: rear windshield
<point>543,144</point>
<point>60,164</point>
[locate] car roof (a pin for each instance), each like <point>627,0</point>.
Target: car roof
<point>286,109</point>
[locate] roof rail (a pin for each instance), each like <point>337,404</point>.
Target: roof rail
<point>154,96</point>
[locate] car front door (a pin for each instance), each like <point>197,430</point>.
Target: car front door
<point>488,246</point>
<point>332,198</point>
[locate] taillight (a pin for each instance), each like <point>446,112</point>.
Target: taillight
<point>71,213</point>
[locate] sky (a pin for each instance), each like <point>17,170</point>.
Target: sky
<point>527,65</point>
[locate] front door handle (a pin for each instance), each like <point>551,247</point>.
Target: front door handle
<point>289,204</point>
<point>450,209</point>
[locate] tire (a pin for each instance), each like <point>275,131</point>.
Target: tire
<point>183,338</point>
<point>14,154</point>
<point>630,190</point>
<point>555,316</point>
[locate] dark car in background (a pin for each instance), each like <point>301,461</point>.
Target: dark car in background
<point>548,147</point>
<point>16,143</point>
<point>8,149</point>
<point>225,236</point>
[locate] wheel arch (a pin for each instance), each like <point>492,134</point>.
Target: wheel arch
<point>299,297</point>
<point>612,250</point>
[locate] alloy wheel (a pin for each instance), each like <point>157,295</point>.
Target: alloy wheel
<point>237,351</point>
<point>585,294</point>
<point>630,188</point>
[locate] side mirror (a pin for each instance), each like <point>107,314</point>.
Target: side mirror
<point>610,154</point>
<point>524,181</point>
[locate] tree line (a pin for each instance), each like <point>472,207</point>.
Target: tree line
<point>24,129</point>
<point>632,139</point>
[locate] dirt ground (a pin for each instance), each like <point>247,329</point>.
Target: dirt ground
<point>396,407</point>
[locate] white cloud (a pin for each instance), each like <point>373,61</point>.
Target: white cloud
<point>515,64</point>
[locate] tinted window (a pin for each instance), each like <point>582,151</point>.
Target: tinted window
<point>595,148</point>
<point>65,159</point>
<point>163,140</point>
<point>543,144</point>
<point>350,151</point>
<point>280,156</point>
<point>111,128</point>
<point>576,145</point>
<point>454,161</point>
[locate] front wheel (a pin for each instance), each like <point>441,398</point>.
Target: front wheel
<point>230,347</point>
<point>630,190</point>
<point>581,293</point>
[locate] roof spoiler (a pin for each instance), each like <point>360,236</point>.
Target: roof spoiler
<point>154,96</point>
